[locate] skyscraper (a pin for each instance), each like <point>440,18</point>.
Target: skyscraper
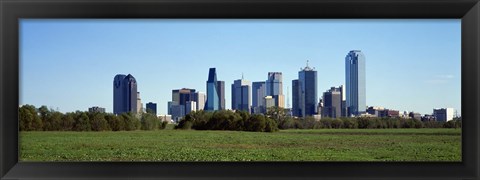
<point>221,94</point>
<point>274,88</point>
<point>124,94</point>
<point>139,103</point>
<point>181,104</point>
<point>332,102</point>
<point>200,99</point>
<point>213,98</point>
<point>241,95</point>
<point>152,108</point>
<point>355,83</point>
<point>182,97</point>
<point>304,92</point>
<point>296,97</point>
<point>258,95</point>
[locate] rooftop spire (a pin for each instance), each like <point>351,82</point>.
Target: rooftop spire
<point>307,68</point>
<point>242,75</point>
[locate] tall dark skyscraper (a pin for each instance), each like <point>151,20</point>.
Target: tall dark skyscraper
<point>296,97</point>
<point>221,93</point>
<point>258,97</point>
<point>304,93</point>
<point>241,95</point>
<point>124,94</point>
<point>355,83</point>
<point>213,94</point>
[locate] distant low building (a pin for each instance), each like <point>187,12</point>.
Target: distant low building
<point>415,115</point>
<point>443,114</point>
<point>428,117</point>
<point>166,117</point>
<point>96,109</point>
<point>375,110</point>
<point>382,112</point>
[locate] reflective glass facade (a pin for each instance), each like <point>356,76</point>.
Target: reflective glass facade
<point>308,91</point>
<point>241,95</point>
<point>124,94</point>
<point>213,99</point>
<point>258,95</point>
<point>355,83</point>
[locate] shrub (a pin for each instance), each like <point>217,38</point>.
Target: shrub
<point>337,124</point>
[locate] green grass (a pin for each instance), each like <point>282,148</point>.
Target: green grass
<point>286,145</point>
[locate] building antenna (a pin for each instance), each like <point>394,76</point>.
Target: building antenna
<point>307,62</point>
<point>242,75</point>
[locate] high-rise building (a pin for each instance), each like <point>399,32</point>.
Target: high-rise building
<point>139,103</point>
<point>221,93</point>
<point>213,92</point>
<point>274,88</point>
<point>296,110</point>
<point>124,94</point>
<point>443,114</point>
<point>304,92</point>
<point>241,95</point>
<point>180,99</point>
<point>152,108</point>
<point>344,101</point>
<point>332,103</point>
<point>258,95</point>
<point>176,110</point>
<point>355,83</point>
<point>96,109</point>
<point>190,106</point>
<point>269,101</point>
<point>200,99</point>
<point>182,96</point>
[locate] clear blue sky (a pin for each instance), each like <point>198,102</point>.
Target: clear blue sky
<point>411,65</point>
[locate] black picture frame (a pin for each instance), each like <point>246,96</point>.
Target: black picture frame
<point>13,10</point>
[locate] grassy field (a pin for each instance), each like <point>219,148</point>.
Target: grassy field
<point>286,145</point>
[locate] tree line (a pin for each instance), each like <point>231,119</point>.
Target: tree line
<point>44,119</point>
<point>278,118</point>
<point>227,120</point>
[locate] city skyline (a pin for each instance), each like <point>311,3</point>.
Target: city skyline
<point>417,88</point>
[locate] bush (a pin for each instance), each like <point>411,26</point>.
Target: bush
<point>337,124</point>
<point>349,123</point>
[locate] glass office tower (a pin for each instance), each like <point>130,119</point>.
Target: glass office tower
<point>355,83</point>
<point>307,78</point>
<point>258,95</point>
<point>124,94</point>
<point>213,98</point>
<point>274,88</point>
<point>241,95</point>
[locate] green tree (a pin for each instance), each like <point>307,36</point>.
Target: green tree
<point>98,122</point>
<point>130,121</point>
<point>29,119</point>
<point>82,122</point>
<point>68,121</point>
<point>55,120</point>
<point>44,112</point>
<point>149,121</point>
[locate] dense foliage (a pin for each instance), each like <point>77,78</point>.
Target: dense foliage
<point>43,119</point>
<point>227,120</point>
<point>285,121</point>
